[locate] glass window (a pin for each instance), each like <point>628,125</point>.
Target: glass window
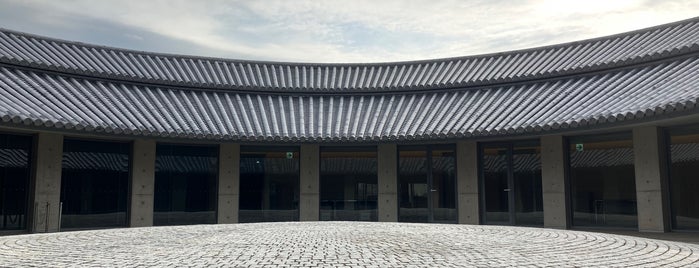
<point>427,184</point>
<point>348,184</point>
<point>185,184</point>
<point>14,181</point>
<point>94,184</point>
<point>602,181</point>
<point>269,184</point>
<point>684,177</point>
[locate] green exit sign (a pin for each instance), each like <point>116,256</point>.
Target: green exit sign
<point>579,147</point>
<point>289,155</point>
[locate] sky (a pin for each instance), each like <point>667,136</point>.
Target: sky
<point>326,31</point>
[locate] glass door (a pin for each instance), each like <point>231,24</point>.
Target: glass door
<point>413,185</point>
<point>496,178</point>
<point>442,185</point>
<point>427,184</point>
<point>511,183</point>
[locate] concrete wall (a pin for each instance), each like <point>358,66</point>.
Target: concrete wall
<point>553,182</point>
<point>309,203</point>
<point>467,182</point>
<point>650,164</point>
<point>388,182</point>
<point>46,183</point>
<point>142,183</point>
<point>228,183</point>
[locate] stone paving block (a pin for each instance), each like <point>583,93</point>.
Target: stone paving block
<point>341,244</point>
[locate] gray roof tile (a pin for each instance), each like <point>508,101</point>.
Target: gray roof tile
<point>513,66</point>
<point>47,83</point>
<point>33,98</point>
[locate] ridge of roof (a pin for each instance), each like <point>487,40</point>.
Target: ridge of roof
<point>262,76</point>
<point>352,64</point>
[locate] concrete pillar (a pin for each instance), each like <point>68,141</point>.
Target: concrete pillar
<point>467,182</point>
<point>309,203</point>
<point>388,182</point>
<point>46,183</point>
<point>228,182</point>
<point>650,164</point>
<point>142,183</point>
<point>554,183</point>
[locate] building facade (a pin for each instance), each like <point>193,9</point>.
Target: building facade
<point>599,133</point>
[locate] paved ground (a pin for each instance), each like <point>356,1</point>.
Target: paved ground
<point>677,236</point>
<point>341,244</point>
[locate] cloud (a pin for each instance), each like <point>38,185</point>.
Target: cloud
<point>358,30</point>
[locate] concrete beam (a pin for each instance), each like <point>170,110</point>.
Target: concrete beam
<point>46,183</point>
<point>467,182</point>
<point>142,183</point>
<point>228,183</point>
<point>554,183</point>
<point>388,182</point>
<point>309,203</point>
<point>650,164</point>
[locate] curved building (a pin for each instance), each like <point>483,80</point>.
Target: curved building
<point>595,133</point>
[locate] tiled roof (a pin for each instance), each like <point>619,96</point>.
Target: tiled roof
<point>564,59</point>
<point>60,85</point>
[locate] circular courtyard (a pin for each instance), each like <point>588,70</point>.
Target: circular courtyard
<point>351,244</point>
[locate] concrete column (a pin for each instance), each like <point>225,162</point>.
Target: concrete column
<point>467,182</point>
<point>650,164</point>
<point>309,203</point>
<point>142,183</point>
<point>388,182</point>
<point>228,182</point>
<point>553,182</point>
<point>46,183</point>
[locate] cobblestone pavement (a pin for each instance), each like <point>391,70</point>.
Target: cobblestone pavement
<point>343,244</point>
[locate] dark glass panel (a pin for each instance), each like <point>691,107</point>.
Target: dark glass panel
<point>14,181</point>
<point>185,184</point>
<point>269,184</point>
<point>348,184</point>
<point>526,170</point>
<point>684,177</point>
<point>512,183</point>
<point>412,185</point>
<point>494,165</point>
<point>427,184</point>
<point>602,181</point>
<point>443,182</point>
<point>94,184</point>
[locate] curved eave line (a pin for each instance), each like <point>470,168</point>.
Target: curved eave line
<point>595,122</point>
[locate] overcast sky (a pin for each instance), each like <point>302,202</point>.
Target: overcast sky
<point>336,31</point>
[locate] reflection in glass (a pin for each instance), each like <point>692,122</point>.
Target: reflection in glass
<point>526,170</point>
<point>494,166</point>
<point>14,181</point>
<point>427,184</point>
<point>412,185</point>
<point>348,184</point>
<point>512,183</point>
<point>269,184</point>
<point>94,184</point>
<point>602,181</point>
<point>443,181</point>
<point>185,184</point>
<point>684,178</point>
